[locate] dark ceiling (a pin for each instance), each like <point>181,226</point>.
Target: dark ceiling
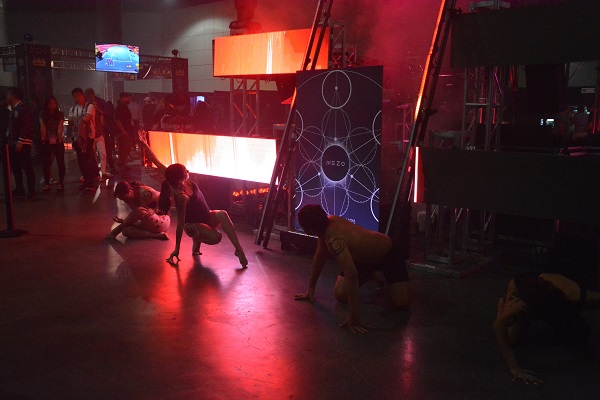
<point>90,5</point>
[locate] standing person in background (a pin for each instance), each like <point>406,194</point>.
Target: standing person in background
<point>110,131</point>
<point>581,122</point>
<point>51,124</point>
<point>99,141</point>
<point>34,107</point>
<point>136,117</point>
<point>148,113</point>
<point>20,138</point>
<point>125,129</point>
<point>81,118</point>
<point>4,119</point>
<point>159,113</point>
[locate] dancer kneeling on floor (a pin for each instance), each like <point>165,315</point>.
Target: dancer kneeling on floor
<point>361,255</point>
<point>193,214</point>
<point>145,221</point>
<point>550,298</point>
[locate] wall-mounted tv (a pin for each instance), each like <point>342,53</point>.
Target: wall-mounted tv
<point>117,58</point>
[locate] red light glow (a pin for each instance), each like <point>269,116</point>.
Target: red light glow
<point>247,159</point>
<point>264,53</point>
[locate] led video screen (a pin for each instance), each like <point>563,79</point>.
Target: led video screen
<point>248,159</point>
<point>117,58</point>
<point>265,53</point>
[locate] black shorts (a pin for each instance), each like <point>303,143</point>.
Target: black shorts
<point>393,267</point>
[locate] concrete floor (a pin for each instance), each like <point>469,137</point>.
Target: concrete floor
<point>81,318</point>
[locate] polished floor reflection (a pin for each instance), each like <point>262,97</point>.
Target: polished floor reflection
<point>81,318</point>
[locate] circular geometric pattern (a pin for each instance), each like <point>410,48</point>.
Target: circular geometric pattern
<point>334,157</point>
<point>339,84</point>
<point>335,163</point>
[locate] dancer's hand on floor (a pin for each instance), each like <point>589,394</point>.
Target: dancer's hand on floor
<point>308,296</point>
<point>525,375</point>
<point>174,256</point>
<point>355,326</point>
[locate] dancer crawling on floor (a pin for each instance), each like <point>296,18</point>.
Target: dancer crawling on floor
<point>146,220</point>
<point>193,214</point>
<point>361,254</point>
<point>551,298</point>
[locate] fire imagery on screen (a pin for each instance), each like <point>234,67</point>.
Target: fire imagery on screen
<point>248,159</point>
<point>117,58</point>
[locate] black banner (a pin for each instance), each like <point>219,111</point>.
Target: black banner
<point>338,122</point>
<point>180,75</point>
<point>34,71</point>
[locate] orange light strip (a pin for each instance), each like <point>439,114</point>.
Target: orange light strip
<point>428,61</point>
<point>239,193</point>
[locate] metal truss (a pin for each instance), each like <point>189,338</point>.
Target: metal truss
<point>58,64</point>
<point>484,92</point>
<point>8,51</point>
<point>72,53</point>
<point>244,102</point>
<point>342,55</point>
<point>451,232</point>
<point>488,4</point>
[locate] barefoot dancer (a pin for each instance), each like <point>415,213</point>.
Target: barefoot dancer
<point>144,221</point>
<point>361,255</point>
<point>551,298</point>
<point>193,214</point>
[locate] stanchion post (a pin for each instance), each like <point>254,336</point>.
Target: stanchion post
<point>10,231</point>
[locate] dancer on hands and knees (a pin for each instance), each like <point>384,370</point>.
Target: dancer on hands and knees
<point>147,220</point>
<point>361,254</point>
<point>194,217</point>
<point>551,298</point>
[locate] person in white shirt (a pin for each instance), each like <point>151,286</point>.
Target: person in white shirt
<point>99,139</point>
<point>81,119</point>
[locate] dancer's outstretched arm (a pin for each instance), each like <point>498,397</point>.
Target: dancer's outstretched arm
<point>161,167</point>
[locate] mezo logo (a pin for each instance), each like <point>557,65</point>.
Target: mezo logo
<point>335,163</point>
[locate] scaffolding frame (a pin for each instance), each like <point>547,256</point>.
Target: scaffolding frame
<point>446,243</point>
<point>244,102</point>
<point>342,55</point>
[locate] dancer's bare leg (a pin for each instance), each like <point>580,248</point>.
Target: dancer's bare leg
<point>202,233</point>
<point>196,247</point>
<point>131,229</point>
<point>137,232</point>
<point>221,218</point>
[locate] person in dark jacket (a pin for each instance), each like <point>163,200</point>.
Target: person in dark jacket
<point>20,139</point>
<point>51,123</point>
<point>4,118</point>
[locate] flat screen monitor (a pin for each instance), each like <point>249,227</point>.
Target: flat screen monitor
<point>117,58</point>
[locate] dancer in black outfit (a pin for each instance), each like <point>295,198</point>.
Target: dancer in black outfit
<point>193,214</point>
